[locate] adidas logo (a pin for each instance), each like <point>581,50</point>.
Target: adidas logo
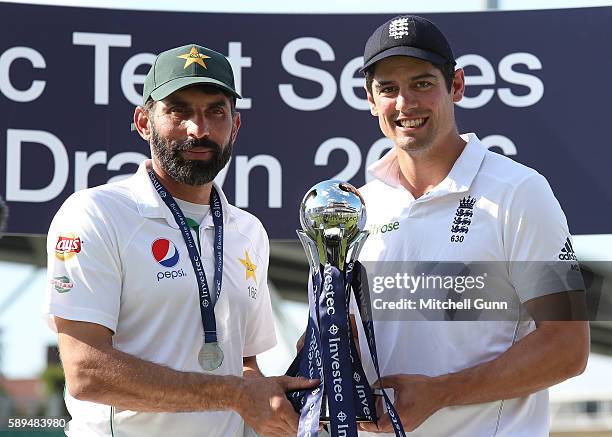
<point>567,252</point>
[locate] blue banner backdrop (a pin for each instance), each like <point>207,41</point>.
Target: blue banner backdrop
<point>537,90</point>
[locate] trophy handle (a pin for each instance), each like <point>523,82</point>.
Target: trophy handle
<point>312,253</point>
<point>356,245</point>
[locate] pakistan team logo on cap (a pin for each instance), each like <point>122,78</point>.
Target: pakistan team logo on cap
<point>194,56</point>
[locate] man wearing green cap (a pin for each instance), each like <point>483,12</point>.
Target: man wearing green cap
<point>158,286</point>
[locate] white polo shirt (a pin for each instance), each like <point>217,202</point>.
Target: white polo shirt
<point>116,257</point>
<point>515,217</point>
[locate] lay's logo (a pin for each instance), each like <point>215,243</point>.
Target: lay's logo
<point>67,246</point>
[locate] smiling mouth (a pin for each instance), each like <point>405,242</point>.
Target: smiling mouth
<point>412,123</point>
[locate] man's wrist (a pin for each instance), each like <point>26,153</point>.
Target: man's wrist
<point>233,387</point>
<point>449,390</point>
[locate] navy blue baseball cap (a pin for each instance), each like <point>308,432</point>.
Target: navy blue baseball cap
<point>408,35</point>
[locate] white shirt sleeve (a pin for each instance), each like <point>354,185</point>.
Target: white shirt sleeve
<point>83,265</point>
<point>260,333</point>
<point>536,237</point>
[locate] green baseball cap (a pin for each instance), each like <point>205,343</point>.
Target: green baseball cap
<point>184,66</point>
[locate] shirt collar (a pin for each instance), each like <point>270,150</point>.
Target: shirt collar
<point>150,204</point>
<point>463,172</point>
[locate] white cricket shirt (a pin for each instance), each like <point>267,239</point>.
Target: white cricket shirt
<point>116,257</point>
<point>515,217</point>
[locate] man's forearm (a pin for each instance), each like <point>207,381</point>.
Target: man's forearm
<point>112,377</point>
<point>545,357</point>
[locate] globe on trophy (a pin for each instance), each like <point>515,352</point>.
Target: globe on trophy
<point>333,217</point>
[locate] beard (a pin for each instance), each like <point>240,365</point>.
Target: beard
<point>189,172</point>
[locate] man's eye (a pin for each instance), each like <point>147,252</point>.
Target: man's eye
<point>423,84</point>
<point>387,90</point>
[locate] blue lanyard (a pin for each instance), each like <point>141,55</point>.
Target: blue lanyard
<point>207,307</point>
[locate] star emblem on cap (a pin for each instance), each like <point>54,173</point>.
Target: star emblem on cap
<point>249,266</point>
<point>193,56</point>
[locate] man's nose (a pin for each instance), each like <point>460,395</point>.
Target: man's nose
<point>405,101</point>
<point>198,127</point>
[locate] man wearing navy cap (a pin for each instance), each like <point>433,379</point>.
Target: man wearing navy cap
<point>158,286</point>
<point>451,199</point>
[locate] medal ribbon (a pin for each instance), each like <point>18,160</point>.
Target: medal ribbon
<point>207,307</point>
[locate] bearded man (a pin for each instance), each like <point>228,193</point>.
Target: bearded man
<point>158,286</point>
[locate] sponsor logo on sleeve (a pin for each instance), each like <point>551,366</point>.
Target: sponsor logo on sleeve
<point>62,284</point>
<point>167,255</point>
<point>567,251</point>
<point>67,246</point>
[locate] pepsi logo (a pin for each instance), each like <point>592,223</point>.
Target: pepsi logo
<point>165,252</point>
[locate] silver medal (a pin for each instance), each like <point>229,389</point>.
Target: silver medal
<point>210,356</point>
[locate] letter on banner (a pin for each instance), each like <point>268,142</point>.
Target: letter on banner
<point>322,77</point>
<point>348,83</point>
<point>234,56</point>
<point>487,77</point>
<point>129,78</point>
<point>244,166</point>
<point>7,88</point>
<point>535,85</point>
<point>14,140</point>
<point>102,43</point>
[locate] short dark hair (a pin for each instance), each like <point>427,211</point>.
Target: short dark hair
<point>447,70</point>
<point>150,103</point>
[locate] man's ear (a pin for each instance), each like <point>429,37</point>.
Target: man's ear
<point>235,126</point>
<point>141,123</point>
<point>373,108</point>
<point>458,87</point>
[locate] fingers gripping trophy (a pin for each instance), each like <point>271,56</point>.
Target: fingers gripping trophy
<point>333,217</point>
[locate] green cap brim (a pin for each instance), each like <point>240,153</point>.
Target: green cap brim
<point>164,90</point>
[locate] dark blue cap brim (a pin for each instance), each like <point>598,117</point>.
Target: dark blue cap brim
<point>413,52</point>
